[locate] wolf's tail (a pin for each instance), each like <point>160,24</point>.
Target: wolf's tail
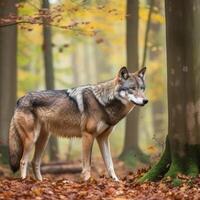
<point>15,147</point>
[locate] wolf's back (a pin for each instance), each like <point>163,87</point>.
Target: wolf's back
<point>15,147</point>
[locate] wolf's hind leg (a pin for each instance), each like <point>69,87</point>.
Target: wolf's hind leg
<point>87,143</point>
<point>39,149</point>
<point>28,145</point>
<point>104,146</point>
<point>25,128</point>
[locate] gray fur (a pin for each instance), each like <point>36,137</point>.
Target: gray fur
<point>89,111</point>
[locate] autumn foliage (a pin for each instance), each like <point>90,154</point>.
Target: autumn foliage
<point>96,189</point>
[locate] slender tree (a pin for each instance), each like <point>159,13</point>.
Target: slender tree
<point>147,33</point>
<point>49,75</point>
<point>8,73</point>
<point>86,63</point>
<point>131,148</point>
<point>182,149</point>
<point>75,81</point>
<point>75,72</point>
<point>101,64</point>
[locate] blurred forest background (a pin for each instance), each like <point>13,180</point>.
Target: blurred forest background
<point>56,44</point>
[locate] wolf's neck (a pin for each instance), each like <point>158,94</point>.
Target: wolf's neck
<point>104,92</point>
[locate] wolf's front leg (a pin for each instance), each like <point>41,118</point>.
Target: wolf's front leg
<point>87,143</point>
<point>104,146</point>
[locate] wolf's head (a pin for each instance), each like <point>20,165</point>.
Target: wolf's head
<point>130,86</point>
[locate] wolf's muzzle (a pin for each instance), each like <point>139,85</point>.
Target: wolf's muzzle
<point>145,101</point>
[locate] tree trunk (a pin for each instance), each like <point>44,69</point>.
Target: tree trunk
<point>49,77</point>
<point>101,65</point>
<point>158,107</point>
<point>131,148</point>
<point>75,71</point>
<point>8,74</point>
<point>158,120</point>
<point>181,154</point>
<point>86,63</point>
<point>147,33</point>
<point>76,81</point>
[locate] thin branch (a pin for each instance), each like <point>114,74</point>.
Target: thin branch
<point>16,23</point>
<point>147,32</point>
<point>41,23</point>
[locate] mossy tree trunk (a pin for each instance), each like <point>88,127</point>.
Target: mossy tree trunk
<point>131,151</point>
<point>181,154</point>
<point>8,74</point>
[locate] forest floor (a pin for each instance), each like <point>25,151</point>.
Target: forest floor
<point>70,186</point>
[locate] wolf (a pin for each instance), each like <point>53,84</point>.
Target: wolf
<point>89,112</point>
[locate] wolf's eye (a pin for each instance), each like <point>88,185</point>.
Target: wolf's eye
<point>133,88</point>
<point>142,88</point>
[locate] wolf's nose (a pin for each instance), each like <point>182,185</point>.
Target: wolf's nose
<point>145,101</point>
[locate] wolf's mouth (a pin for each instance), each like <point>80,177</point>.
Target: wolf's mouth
<point>137,103</point>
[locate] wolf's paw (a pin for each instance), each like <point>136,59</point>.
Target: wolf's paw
<point>115,178</point>
<point>38,175</point>
<point>38,178</point>
<point>36,171</point>
<point>23,177</point>
<point>86,175</point>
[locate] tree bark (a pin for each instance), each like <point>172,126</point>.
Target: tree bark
<point>101,65</point>
<point>75,71</point>
<point>147,33</point>
<point>49,76</point>
<point>181,154</point>
<point>86,63</point>
<point>158,107</point>
<point>158,120</point>
<point>131,148</point>
<point>8,74</point>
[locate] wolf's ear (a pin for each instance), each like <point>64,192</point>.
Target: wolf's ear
<point>123,73</point>
<point>141,72</point>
